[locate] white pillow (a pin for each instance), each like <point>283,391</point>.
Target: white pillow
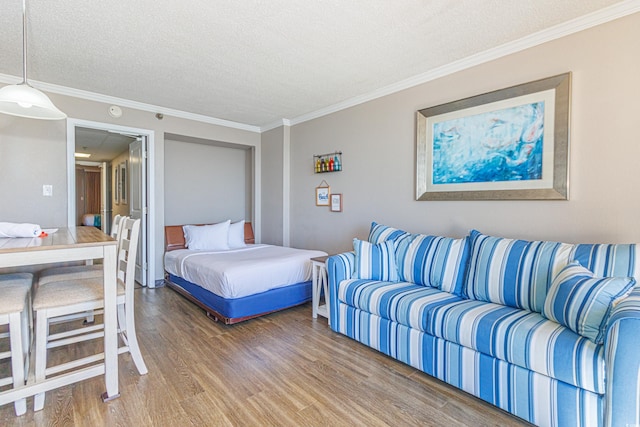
<point>236,235</point>
<point>207,237</point>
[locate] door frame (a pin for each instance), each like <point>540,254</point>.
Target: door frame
<point>72,124</point>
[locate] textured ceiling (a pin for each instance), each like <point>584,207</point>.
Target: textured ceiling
<point>256,62</point>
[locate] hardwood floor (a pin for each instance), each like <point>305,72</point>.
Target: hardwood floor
<point>285,369</point>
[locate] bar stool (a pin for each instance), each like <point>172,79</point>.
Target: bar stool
<point>68,297</point>
<point>15,311</point>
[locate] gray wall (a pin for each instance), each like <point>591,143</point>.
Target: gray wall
<point>204,183</point>
<point>30,152</point>
<point>272,186</point>
<point>378,142</point>
<point>33,153</point>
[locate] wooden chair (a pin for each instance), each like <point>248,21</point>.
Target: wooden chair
<point>64,298</point>
<point>57,274</point>
<point>15,313</point>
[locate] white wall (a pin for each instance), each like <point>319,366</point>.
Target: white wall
<point>378,143</point>
<point>204,183</point>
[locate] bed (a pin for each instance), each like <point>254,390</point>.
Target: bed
<point>233,285</point>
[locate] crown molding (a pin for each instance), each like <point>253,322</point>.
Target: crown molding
<point>98,97</point>
<point>275,125</point>
<point>602,16</point>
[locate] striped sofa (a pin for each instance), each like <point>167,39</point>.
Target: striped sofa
<point>493,317</point>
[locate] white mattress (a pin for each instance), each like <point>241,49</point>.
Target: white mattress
<point>240,272</point>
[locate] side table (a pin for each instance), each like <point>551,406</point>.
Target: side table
<point>320,286</point>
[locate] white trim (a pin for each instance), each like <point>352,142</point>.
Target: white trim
<point>275,125</point>
<point>286,185</point>
<point>602,16</point>
<point>98,97</point>
<point>71,187</point>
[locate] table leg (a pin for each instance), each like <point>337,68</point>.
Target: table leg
<point>110,324</point>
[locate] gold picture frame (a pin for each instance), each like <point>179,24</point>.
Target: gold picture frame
<point>510,144</point>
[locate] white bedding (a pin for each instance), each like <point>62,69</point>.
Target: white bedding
<point>245,271</point>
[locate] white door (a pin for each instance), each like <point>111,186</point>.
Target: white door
<point>138,201</point>
<point>105,197</point>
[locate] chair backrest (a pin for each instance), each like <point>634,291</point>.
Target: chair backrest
<point>127,252</point>
<point>114,226</point>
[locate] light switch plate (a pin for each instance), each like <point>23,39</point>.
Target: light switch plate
<point>47,190</point>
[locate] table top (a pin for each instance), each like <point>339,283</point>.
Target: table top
<point>63,238</point>
<point>321,259</point>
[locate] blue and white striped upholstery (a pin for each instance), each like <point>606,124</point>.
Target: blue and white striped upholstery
<point>433,261</point>
<point>516,336</point>
<point>623,363</point>
<point>515,359</point>
<point>401,302</point>
<point>375,262</point>
<point>582,302</point>
<point>379,233</point>
<point>609,260</point>
<point>512,272</point>
<point>536,398</point>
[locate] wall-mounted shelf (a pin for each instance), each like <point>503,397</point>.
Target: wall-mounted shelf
<point>329,162</point>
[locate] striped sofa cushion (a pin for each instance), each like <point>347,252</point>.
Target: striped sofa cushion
<point>522,338</point>
<point>379,233</point>
<point>582,302</point>
<point>434,261</point>
<point>516,336</point>
<point>376,262</point>
<point>516,273</point>
<point>402,302</point>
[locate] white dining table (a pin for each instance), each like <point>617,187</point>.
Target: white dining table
<point>64,245</point>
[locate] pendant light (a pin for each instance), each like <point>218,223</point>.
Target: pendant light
<point>23,100</point>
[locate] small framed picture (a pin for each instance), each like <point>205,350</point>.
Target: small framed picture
<point>322,196</point>
<point>336,202</point>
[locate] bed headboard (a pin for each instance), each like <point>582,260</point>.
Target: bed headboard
<point>174,236</point>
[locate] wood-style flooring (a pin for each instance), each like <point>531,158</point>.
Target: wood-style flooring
<point>285,369</point>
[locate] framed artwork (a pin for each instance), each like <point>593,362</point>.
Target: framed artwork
<point>336,202</point>
<point>124,193</point>
<point>322,194</point>
<point>116,184</point>
<point>511,144</point>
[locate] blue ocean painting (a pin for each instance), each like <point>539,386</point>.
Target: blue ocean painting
<point>501,145</point>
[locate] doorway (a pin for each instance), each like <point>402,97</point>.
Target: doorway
<point>122,187</point>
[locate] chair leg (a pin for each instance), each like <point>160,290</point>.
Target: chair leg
<point>16,333</point>
<point>42,331</point>
<point>129,328</point>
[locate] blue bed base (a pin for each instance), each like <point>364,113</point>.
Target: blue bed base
<point>239,309</point>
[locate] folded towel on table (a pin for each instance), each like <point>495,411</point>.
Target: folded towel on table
<point>12,229</point>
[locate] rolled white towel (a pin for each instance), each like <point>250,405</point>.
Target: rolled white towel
<point>12,229</point>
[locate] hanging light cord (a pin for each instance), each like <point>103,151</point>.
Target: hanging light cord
<point>24,41</point>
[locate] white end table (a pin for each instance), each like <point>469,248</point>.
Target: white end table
<point>320,286</point>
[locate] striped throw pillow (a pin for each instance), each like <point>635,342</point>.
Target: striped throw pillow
<point>375,262</point>
<point>582,302</point>
<point>379,233</point>
<point>435,261</point>
<point>516,273</point>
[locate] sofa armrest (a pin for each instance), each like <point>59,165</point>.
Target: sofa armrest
<point>622,362</point>
<point>339,268</point>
